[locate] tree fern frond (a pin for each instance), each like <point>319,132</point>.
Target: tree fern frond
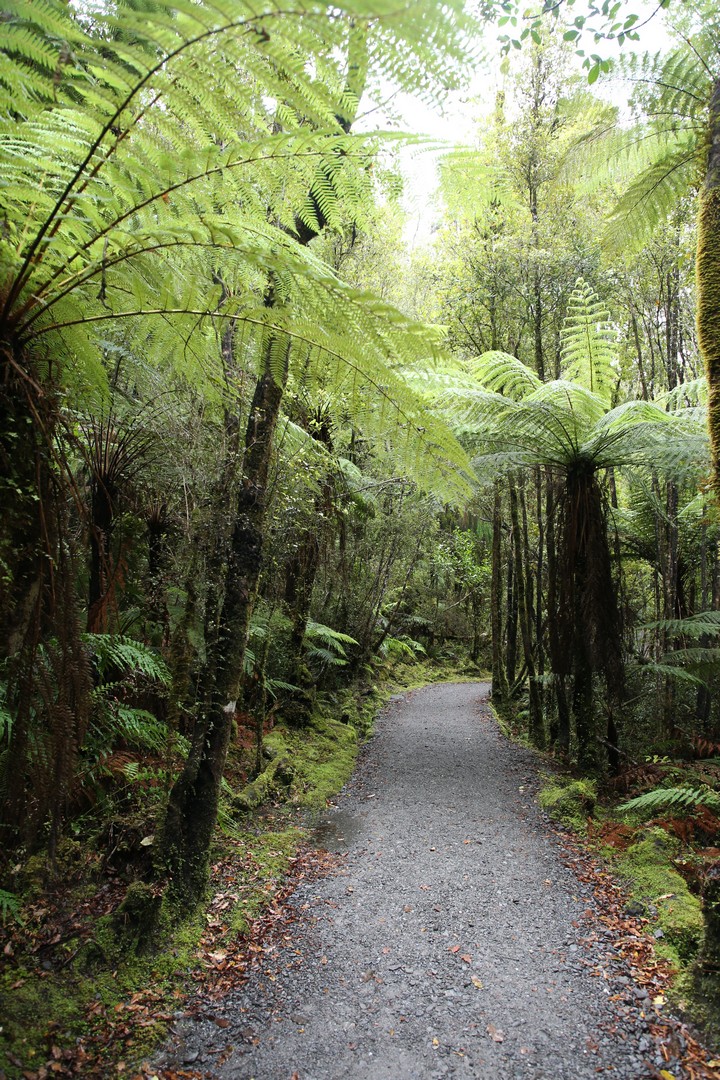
<point>504,374</point>
<point>588,343</point>
<point>684,797</point>
<point>651,195</point>
<point>702,624</point>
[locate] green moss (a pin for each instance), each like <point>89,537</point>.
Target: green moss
<point>307,765</point>
<point>93,979</point>
<point>654,882</point>
<point>569,801</point>
<point>268,858</point>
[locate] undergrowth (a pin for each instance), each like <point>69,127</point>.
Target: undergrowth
<point>85,984</point>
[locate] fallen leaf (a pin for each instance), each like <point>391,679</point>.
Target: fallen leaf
<point>477,982</point>
<point>467,958</point>
<point>436,1042</point>
<point>496,1034</point>
<point>454,948</point>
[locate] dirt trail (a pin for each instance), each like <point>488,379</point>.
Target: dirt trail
<point>452,940</point>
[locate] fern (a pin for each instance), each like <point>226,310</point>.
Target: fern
<point>664,156</point>
<point>10,908</point>
<point>326,645</point>
<point>693,626</point>
<point>396,647</point>
<point>589,354</point>
<point>127,656</point>
<point>678,797</point>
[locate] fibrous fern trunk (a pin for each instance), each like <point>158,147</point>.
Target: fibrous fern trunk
<point>708,280</point>
<point>26,429</point>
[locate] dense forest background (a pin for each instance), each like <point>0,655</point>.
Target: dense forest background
<point>252,447</point>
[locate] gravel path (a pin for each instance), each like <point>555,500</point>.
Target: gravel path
<point>451,942</point>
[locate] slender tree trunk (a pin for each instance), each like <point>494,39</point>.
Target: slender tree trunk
<point>499,678</point>
<point>540,571</point>
<point>193,803</point>
<point>559,659</point>
<point>708,280</point>
<point>535,725</point>
<point>702,703</point>
<point>511,616</point>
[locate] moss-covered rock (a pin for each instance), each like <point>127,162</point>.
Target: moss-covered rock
<point>654,882</point>
<point>571,802</point>
<point>306,766</point>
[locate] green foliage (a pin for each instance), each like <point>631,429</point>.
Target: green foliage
<point>10,907</point>
<point>665,155</point>
<point>146,202</point>
<point>676,797</point>
<point>326,645</point>
<point>519,421</point>
<point>397,648</point>
<point>115,654</point>
<point>589,344</point>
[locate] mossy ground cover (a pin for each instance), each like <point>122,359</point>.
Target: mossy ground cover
<point>657,872</point>
<point>85,989</point>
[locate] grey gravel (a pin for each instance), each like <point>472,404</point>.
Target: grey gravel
<point>451,942</point>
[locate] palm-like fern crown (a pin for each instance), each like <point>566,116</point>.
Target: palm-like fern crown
<point>513,419</point>
<point>156,158</point>
<point>666,156</point>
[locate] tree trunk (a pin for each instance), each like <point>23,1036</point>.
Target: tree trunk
<point>26,432</point>
<point>559,659</point>
<point>535,724</point>
<point>194,798</point>
<point>499,678</point>
<point>708,280</point>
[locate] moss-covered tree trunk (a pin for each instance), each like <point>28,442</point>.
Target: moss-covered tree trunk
<point>535,724</point>
<point>193,803</point>
<point>499,678</point>
<point>708,280</point>
<point>26,432</point>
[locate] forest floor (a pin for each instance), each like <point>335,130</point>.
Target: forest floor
<point>451,932</point>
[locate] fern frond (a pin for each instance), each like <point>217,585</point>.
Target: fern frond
<point>693,626</point>
<point>681,797</point>
<point>588,343</point>
<point>126,655</point>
